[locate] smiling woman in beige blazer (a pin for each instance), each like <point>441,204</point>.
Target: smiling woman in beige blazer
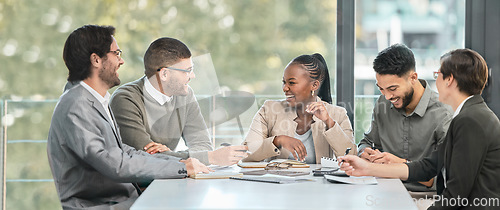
<point>305,126</point>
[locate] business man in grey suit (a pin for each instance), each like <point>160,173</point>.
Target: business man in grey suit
<point>92,168</point>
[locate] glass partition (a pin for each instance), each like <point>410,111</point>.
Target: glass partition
<point>28,180</point>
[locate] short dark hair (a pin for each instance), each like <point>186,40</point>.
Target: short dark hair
<point>81,43</point>
<point>164,52</point>
<point>397,59</point>
<point>315,64</point>
<point>468,68</point>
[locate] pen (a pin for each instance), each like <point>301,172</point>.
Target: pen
<point>243,150</point>
<point>346,152</point>
<point>373,146</point>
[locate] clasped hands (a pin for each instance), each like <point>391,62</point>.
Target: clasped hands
<point>363,165</point>
<point>375,156</point>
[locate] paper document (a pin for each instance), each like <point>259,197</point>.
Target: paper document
<point>352,179</point>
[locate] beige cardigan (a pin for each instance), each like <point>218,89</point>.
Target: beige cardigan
<point>276,118</point>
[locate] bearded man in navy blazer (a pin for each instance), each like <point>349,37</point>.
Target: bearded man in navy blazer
<point>92,168</point>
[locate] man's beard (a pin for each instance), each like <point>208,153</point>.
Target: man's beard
<point>407,99</point>
<point>109,77</point>
<point>176,88</point>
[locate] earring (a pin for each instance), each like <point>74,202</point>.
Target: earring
<point>446,83</point>
<point>312,93</point>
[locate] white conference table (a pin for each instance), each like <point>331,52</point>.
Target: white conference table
<point>236,194</point>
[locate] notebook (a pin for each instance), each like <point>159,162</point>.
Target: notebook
<point>327,162</point>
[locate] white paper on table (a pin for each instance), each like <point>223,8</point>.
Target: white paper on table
<point>352,179</point>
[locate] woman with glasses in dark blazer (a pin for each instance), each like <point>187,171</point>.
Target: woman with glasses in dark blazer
<point>467,163</point>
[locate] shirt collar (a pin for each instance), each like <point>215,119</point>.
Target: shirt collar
<point>103,100</point>
<point>459,108</point>
<point>157,95</point>
<point>424,100</point>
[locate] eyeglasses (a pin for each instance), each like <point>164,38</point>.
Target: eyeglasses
<point>117,52</point>
<point>435,74</point>
<point>278,165</point>
<point>189,70</point>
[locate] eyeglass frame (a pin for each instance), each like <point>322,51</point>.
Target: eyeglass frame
<point>278,165</point>
<point>117,52</point>
<point>435,74</point>
<point>172,68</point>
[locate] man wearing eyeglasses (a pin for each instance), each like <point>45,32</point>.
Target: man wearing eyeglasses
<point>155,111</point>
<point>92,168</point>
<point>408,120</point>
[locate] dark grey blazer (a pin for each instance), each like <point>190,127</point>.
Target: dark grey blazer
<point>91,166</point>
<point>470,154</point>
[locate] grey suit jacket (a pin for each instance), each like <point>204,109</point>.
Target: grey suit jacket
<point>91,166</point>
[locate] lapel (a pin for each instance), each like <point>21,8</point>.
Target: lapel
<point>476,99</point>
<point>97,106</point>
<point>115,128</point>
<point>446,147</point>
<point>316,129</point>
<point>291,114</point>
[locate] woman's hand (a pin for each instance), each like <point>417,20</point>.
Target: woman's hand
<point>354,166</point>
<point>318,109</point>
<point>295,146</point>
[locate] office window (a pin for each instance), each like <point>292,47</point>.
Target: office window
<point>243,44</point>
<point>429,27</point>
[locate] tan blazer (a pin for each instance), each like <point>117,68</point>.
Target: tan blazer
<point>276,118</point>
